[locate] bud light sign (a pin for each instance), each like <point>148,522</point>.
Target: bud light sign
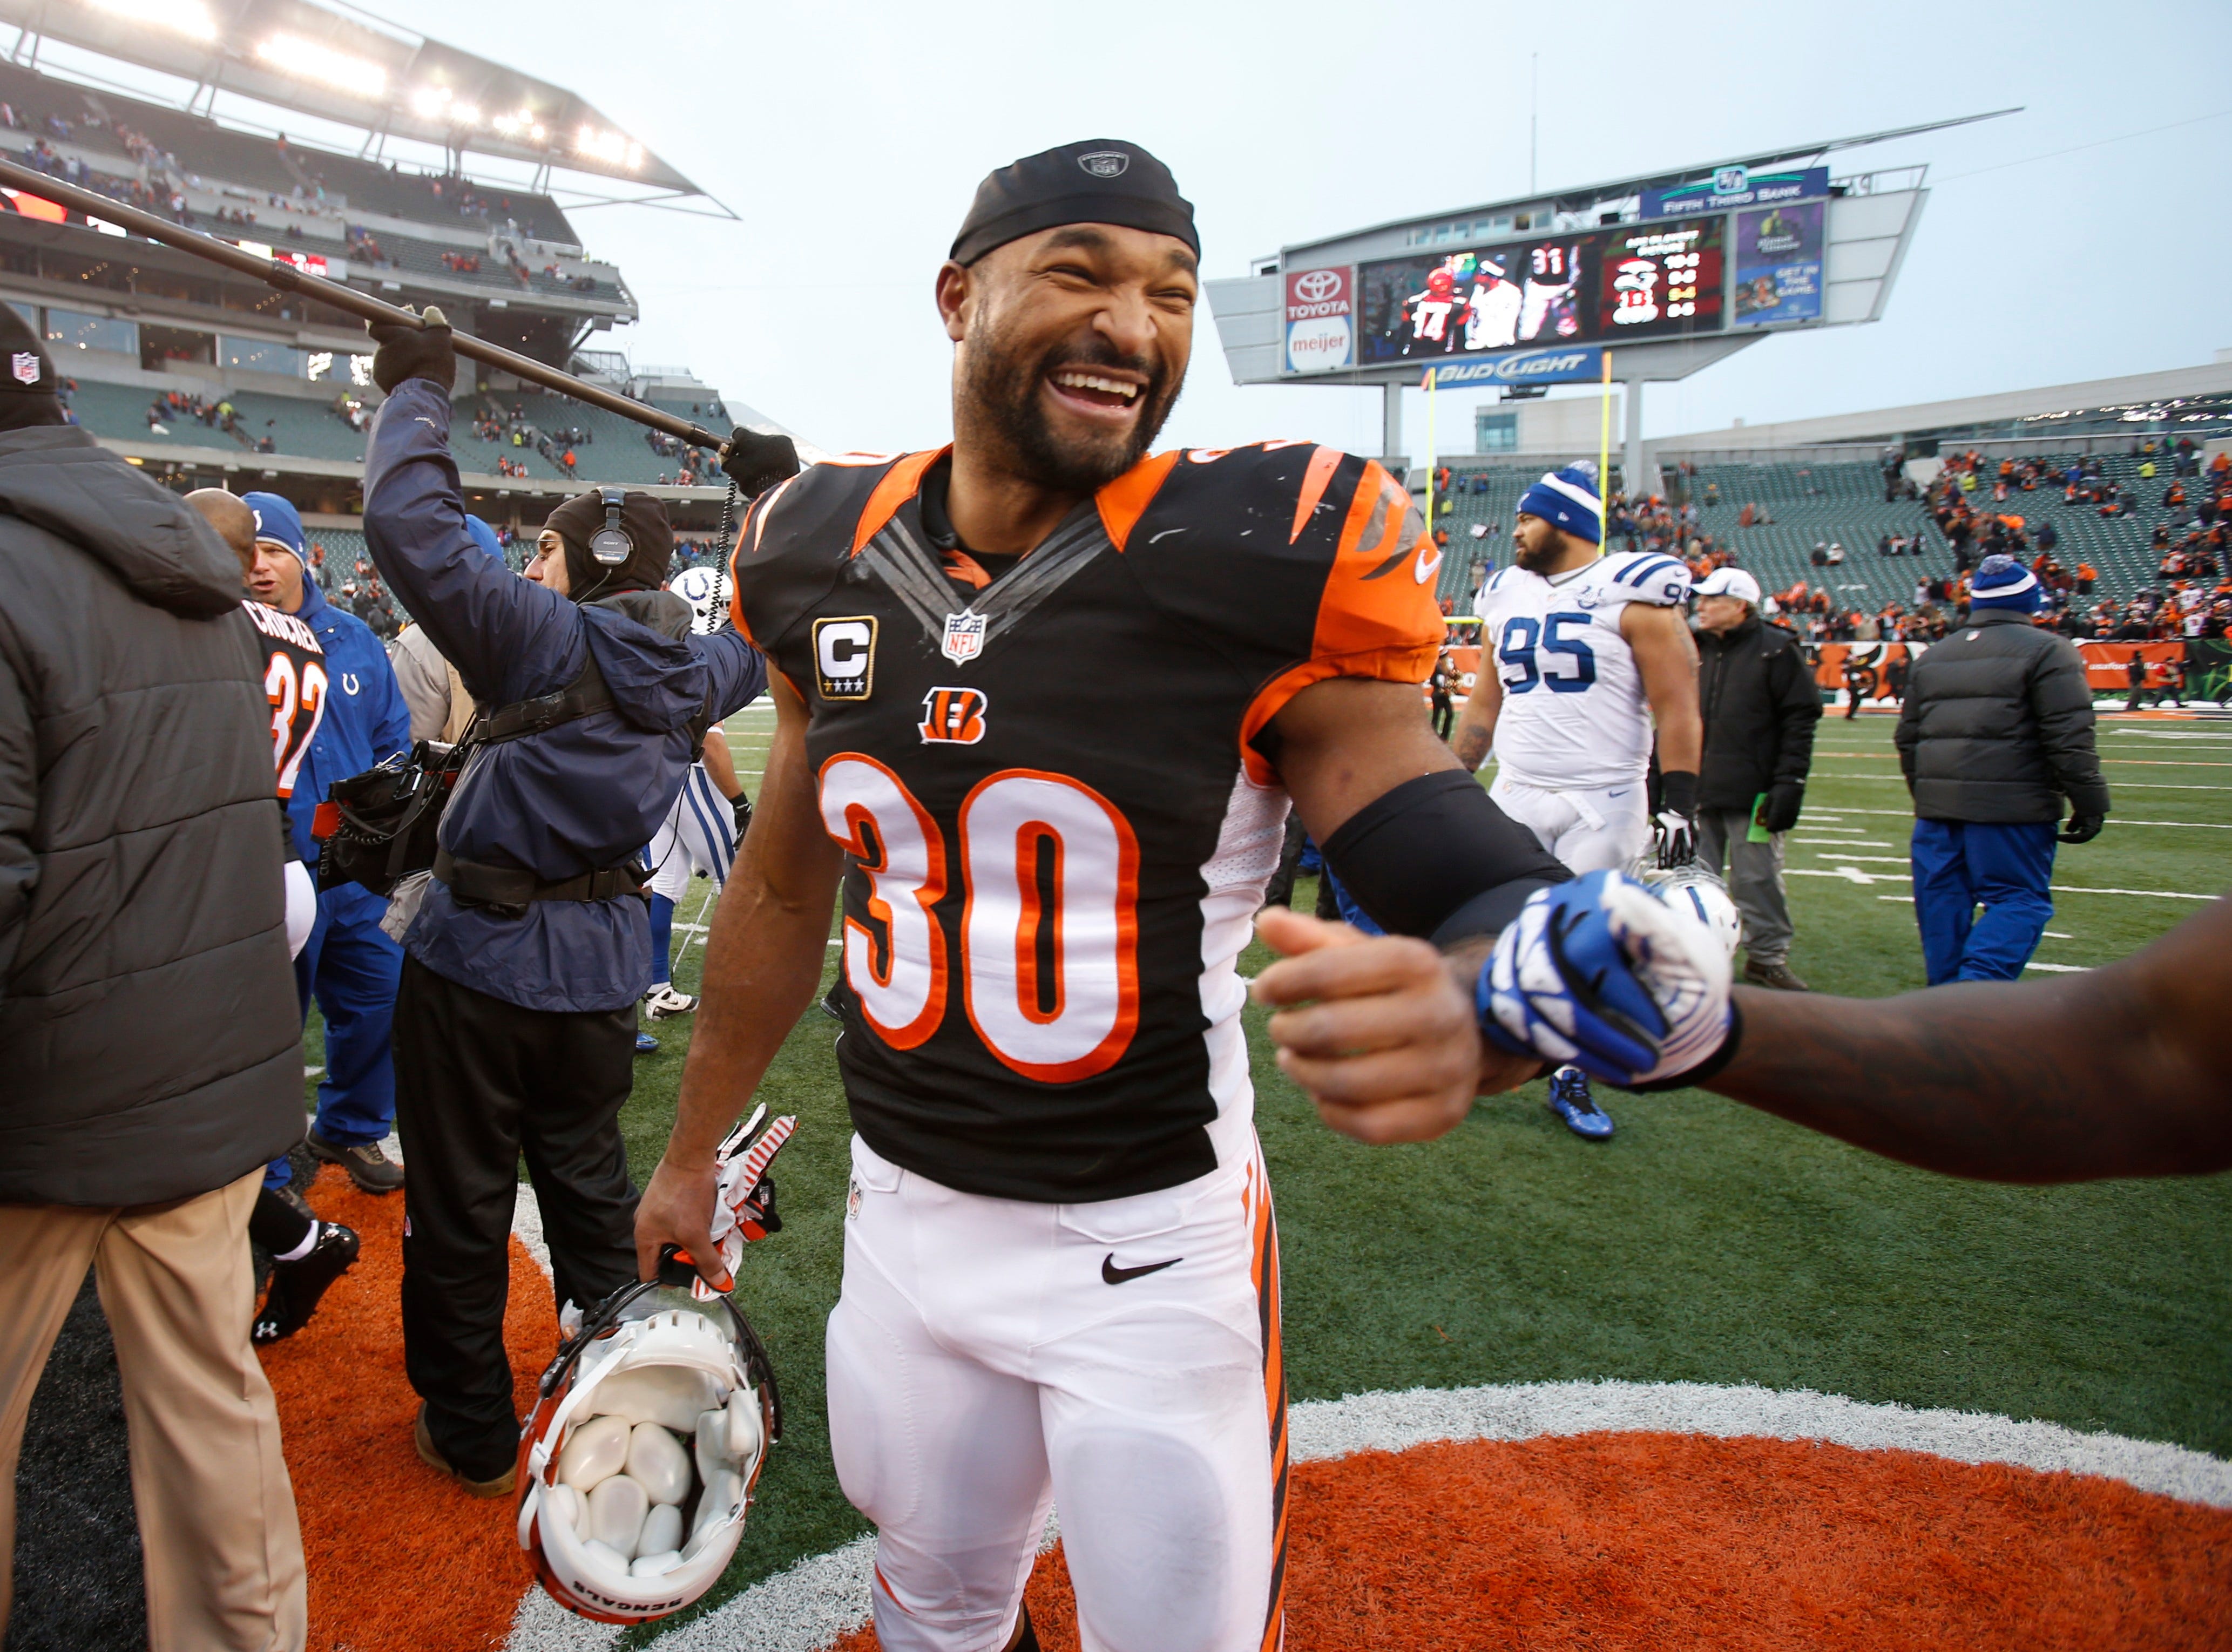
<point>1576,366</point>
<point>1320,319</point>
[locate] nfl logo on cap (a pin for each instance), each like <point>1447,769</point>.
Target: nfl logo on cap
<point>25,365</point>
<point>964,637</point>
<point>1104,163</point>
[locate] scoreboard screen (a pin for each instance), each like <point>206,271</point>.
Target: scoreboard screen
<point>1654,281</point>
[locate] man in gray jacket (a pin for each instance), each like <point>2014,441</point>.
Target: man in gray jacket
<point>150,1052</point>
<point>1996,731</point>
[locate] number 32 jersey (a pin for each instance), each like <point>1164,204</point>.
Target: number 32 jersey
<point>1574,716</point>
<point>1056,830</point>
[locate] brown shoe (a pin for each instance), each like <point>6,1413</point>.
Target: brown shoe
<point>500,1487</point>
<point>369,1168</point>
<point>1776,975</point>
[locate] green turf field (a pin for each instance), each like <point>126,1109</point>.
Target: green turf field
<point>1705,1242</point>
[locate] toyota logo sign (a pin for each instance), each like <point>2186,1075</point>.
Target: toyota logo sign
<point>1315,286</point>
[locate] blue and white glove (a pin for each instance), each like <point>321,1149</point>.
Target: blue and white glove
<point>1601,973</point>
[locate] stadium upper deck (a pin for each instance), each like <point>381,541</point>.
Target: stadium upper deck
<point>210,378</point>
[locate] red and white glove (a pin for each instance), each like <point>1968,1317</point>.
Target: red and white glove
<point>744,1209</point>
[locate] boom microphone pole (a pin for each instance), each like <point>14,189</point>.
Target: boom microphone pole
<point>277,272</point>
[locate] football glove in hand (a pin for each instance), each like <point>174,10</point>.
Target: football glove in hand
<point>1674,828</point>
<point>2082,828</point>
<point>407,352</point>
<point>744,1209</point>
<point>756,463</point>
<point>1780,811</point>
<point>1601,973</point>
<point>742,805</point>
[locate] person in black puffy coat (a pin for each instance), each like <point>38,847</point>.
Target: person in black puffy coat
<point>1995,735</point>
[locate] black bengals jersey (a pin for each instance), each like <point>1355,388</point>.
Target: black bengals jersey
<point>1057,831</point>
<point>293,667</point>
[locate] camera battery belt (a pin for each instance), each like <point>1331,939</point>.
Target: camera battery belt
<point>482,884</point>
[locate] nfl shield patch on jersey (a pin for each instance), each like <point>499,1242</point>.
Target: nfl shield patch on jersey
<point>964,637</point>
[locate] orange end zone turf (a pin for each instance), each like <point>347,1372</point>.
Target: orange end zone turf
<point>1646,1542</point>
<point>399,1558</point>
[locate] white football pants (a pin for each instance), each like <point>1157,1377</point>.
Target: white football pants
<point>1590,831</point>
<point>697,835</point>
<point>989,1357</point>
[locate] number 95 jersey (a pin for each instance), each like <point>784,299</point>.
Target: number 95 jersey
<point>1575,716</point>
<point>1056,831</point>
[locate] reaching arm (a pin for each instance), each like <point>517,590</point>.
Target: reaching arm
<point>1388,1046</point>
<point>720,764</point>
<point>763,962</point>
<point>1475,736</point>
<point>1667,657</point>
<point>2117,1073</point>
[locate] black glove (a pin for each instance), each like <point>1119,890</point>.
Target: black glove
<point>2082,828</point>
<point>756,463</point>
<point>1675,827</point>
<point>743,804</point>
<point>1780,811</point>
<point>407,352</point>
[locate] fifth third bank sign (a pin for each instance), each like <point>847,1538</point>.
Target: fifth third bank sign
<point>1320,319</point>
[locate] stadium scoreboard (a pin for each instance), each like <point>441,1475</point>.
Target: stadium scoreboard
<point>1669,274</point>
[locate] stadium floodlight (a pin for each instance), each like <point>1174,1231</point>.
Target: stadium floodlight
<point>360,76</point>
<point>318,363</point>
<point>613,148</point>
<point>187,17</point>
<point>427,100</point>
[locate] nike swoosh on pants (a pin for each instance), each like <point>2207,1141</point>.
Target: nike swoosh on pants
<point>1115,1275</point>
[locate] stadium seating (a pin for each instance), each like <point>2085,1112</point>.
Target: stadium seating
<point>616,452</point>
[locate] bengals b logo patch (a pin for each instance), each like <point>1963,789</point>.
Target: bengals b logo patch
<point>953,715</point>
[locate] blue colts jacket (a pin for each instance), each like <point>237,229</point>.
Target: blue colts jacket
<point>365,720</point>
<point>586,795</point>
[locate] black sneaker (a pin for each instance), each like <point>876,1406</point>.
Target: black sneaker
<point>297,1286</point>
<point>369,1168</point>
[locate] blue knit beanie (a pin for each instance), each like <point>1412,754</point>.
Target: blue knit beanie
<point>276,520</point>
<point>2003,582</point>
<point>1568,499</point>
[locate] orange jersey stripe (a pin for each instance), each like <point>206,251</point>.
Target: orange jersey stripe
<point>1124,501</point>
<point>1323,463</point>
<point>897,487</point>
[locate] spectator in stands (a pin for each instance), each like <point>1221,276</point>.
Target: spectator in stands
<point>349,965</point>
<point>1996,731</point>
<point>150,1055</point>
<point>1760,705</point>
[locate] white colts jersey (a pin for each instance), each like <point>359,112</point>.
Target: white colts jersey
<point>1575,715</point>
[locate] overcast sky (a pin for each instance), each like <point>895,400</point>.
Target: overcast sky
<point>850,140</point>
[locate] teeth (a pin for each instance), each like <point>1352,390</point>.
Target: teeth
<point>1093,381</point>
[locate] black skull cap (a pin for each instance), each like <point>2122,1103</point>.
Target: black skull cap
<point>28,367</point>
<point>1101,180</point>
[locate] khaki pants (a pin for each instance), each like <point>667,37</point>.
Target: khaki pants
<point>216,1513</point>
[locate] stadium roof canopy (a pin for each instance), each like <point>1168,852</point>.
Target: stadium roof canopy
<point>343,65</point>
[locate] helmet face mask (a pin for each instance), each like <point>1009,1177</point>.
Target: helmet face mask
<point>652,1358</point>
<point>1694,890</point>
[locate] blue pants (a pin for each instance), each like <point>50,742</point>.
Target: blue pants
<point>351,968</point>
<point>1960,865</point>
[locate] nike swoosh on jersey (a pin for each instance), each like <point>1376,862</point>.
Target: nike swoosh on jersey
<point>1115,1275</point>
<point>1424,570</point>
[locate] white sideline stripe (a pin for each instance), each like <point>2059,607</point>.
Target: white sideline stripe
<point>2121,786</point>
<point>527,1228</point>
<point>2113,819</point>
<point>805,1608</point>
<point>2060,968</point>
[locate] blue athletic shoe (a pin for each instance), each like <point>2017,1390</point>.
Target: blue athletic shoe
<point>1571,1100</point>
<point>645,1045</point>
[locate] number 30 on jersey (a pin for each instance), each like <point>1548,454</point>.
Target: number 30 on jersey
<point>1048,947</point>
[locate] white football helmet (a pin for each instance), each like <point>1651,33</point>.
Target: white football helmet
<point>640,1459</point>
<point>1691,888</point>
<point>706,591</point>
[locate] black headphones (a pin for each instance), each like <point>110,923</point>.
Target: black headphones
<point>608,545</point>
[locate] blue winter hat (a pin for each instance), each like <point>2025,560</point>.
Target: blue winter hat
<point>483,536</point>
<point>1568,499</point>
<point>2003,582</point>
<point>276,520</point>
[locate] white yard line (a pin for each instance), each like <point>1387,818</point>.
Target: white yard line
<point>2060,968</point>
<point>2113,819</point>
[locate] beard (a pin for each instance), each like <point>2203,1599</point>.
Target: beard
<point>1000,399</point>
<point>1539,558</point>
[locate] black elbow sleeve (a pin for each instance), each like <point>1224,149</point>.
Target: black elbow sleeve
<point>1436,857</point>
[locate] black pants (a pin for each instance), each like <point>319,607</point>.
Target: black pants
<point>477,1082</point>
<point>1281,889</point>
<point>1445,716</point>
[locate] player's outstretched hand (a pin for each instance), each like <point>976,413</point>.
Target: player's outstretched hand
<point>408,352</point>
<point>1377,1029</point>
<point>1602,973</point>
<point>676,1208</point>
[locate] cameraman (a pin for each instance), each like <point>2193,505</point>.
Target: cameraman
<point>515,1024</point>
